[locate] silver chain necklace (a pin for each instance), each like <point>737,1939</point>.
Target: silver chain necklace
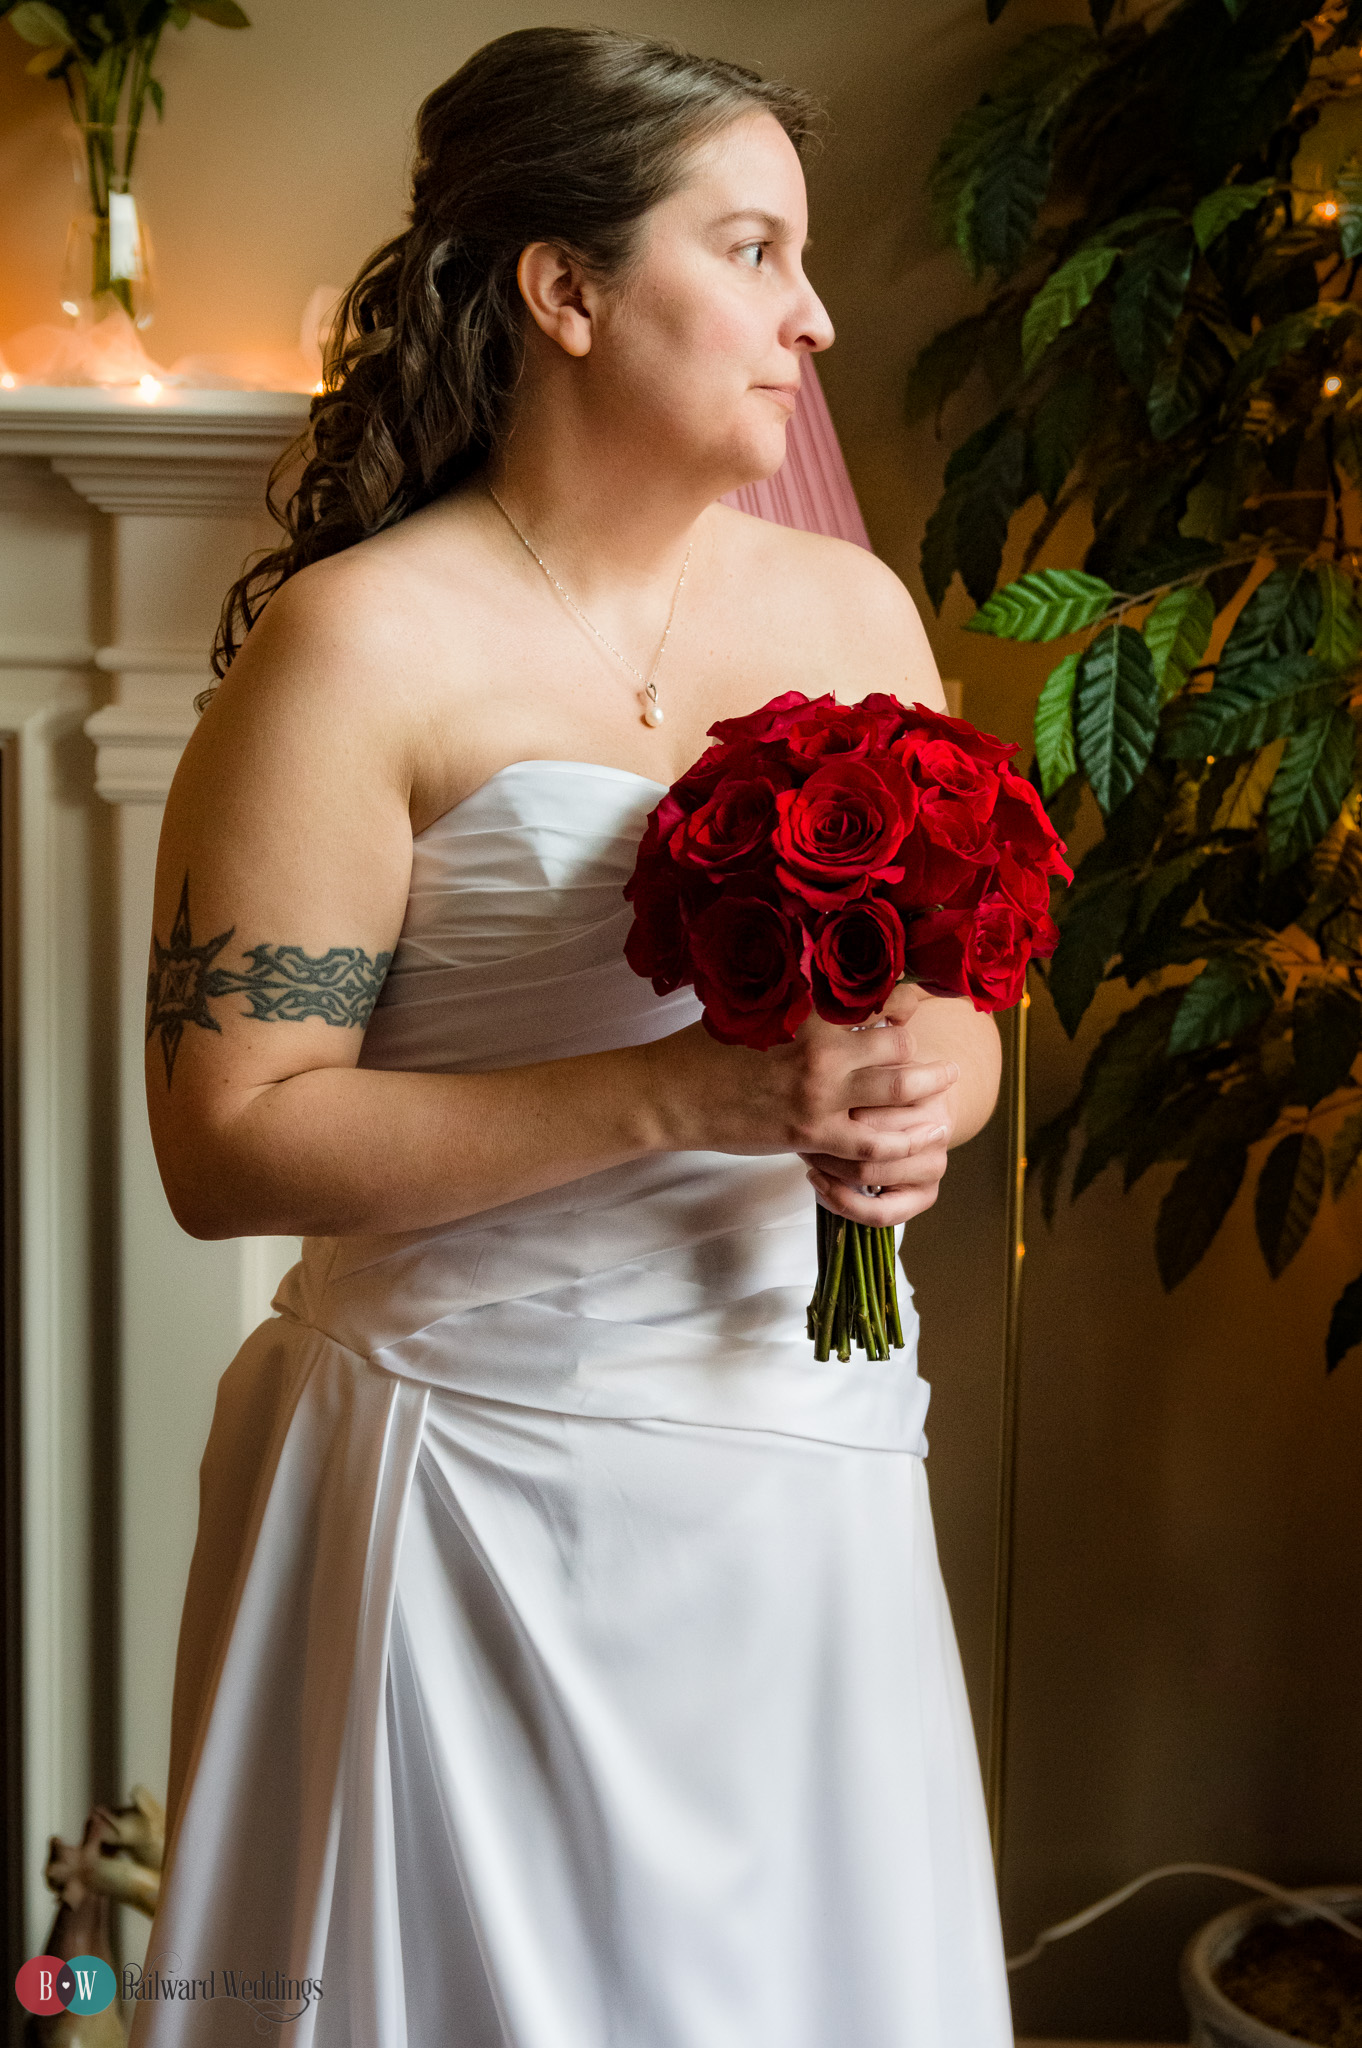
<point>652,710</point>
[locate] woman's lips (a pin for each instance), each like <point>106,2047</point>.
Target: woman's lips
<point>787,394</point>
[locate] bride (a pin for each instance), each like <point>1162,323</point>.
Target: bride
<point>564,1660</point>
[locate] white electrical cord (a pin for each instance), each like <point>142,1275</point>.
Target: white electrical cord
<point>1128,1891</point>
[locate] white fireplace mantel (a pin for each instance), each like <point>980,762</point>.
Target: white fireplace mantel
<point>124,516</point>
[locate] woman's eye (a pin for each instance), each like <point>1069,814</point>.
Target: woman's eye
<point>752,253</point>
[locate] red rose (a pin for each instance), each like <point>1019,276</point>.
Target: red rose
<point>980,953</point>
<point>944,765</point>
<point>934,873</point>
<point>997,948</point>
<point>774,721</point>
<point>1020,821</point>
<point>734,829</point>
<point>935,951</point>
<point>1026,888</point>
<point>926,725</point>
<point>839,835</point>
<point>850,731</point>
<point>954,823</point>
<point>857,958</point>
<point>748,963</point>
<point>656,946</point>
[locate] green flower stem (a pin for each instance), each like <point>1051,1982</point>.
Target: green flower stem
<point>891,1270</point>
<point>830,1296</point>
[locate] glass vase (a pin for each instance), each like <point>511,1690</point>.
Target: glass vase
<point>108,250</point>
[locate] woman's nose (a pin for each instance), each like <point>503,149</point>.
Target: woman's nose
<point>815,330</point>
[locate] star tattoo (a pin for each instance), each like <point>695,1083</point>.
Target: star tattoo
<point>178,984</point>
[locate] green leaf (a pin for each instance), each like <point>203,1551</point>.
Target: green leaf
<point>950,181</point>
<point>1060,427</point>
<point>1219,210</point>
<point>1225,999</point>
<point>1286,337</point>
<point>1345,1324</point>
<point>1287,1198</point>
<point>1047,57</point>
<point>964,460</point>
<point>1008,192</point>
<point>1121,1082</point>
<point>1340,627</point>
<point>1147,302</point>
<point>1115,712</point>
<point>1281,616</point>
<point>1257,707</point>
<point>157,97</point>
<point>1344,1152</point>
<point>1194,1208</point>
<point>1310,785</point>
<point>1188,379</point>
<point>943,365</point>
<point>1054,726</point>
<point>1061,299</point>
<point>38,23</point>
<point>1170,876</point>
<point>1326,1037</point>
<point>1177,634</point>
<point>1044,605</point>
<point>968,529</point>
<point>1091,929</point>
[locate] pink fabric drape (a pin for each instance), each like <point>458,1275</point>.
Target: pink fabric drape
<point>811,489</point>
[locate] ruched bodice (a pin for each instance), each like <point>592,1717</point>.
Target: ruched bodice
<point>672,1286</point>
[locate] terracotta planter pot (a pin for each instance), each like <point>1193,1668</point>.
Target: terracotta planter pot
<point>1216,2022</point>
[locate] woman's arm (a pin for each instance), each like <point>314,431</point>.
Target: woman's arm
<point>281,887</point>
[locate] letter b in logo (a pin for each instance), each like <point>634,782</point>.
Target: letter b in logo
<point>46,1984</point>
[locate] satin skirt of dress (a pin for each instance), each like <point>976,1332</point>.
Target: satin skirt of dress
<point>689,1744</point>
<point>522,1729</point>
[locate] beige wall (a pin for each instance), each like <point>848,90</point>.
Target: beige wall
<point>1186,1648</point>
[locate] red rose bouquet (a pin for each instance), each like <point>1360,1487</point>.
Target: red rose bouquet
<point>815,856</point>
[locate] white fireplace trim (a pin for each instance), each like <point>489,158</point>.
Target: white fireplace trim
<point>38,711</point>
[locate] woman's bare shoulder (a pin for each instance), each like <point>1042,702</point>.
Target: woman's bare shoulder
<point>843,601</point>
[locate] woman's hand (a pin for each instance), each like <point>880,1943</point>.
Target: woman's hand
<point>861,1102</point>
<point>875,1106</point>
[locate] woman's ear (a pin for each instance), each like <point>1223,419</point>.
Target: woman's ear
<point>554,287</point>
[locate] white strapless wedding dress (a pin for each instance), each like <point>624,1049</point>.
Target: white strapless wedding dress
<point>565,1661</point>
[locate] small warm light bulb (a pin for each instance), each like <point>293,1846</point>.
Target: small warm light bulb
<point>1327,209</point>
<point>1331,386</point>
<point>1026,999</point>
<point>7,383</point>
<point>1210,760</point>
<point>317,390</point>
<point>70,306</point>
<point>150,388</point>
<point>1021,1249</point>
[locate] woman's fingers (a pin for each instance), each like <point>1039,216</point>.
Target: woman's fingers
<point>899,1086</point>
<point>916,1156</point>
<point>895,1205</point>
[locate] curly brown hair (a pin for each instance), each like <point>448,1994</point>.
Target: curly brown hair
<point>557,135</point>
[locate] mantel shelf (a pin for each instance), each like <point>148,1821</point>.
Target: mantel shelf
<point>185,453</point>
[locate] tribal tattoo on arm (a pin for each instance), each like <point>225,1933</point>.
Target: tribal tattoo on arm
<point>282,983</point>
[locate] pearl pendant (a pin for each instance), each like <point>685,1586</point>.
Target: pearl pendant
<point>652,713</point>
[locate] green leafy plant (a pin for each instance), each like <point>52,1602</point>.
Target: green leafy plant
<point>105,57</point>
<point>1171,211</point>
